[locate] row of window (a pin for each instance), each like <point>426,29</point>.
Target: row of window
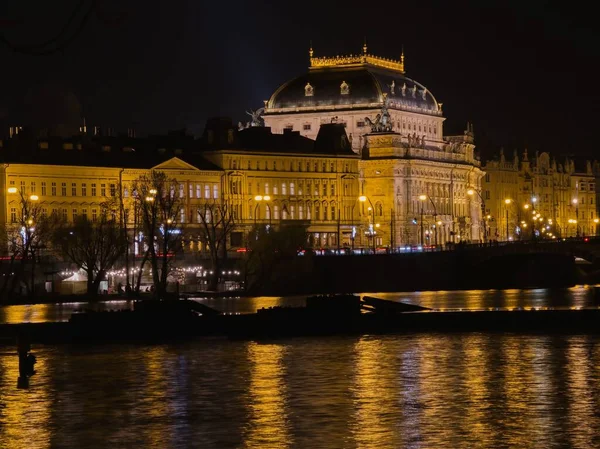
<point>311,189</point>
<point>293,166</point>
<point>194,191</point>
<point>64,214</point>
<point>75,190</point>
<point>288,212</point>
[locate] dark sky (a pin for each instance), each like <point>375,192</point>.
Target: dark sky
<point>524,72</point>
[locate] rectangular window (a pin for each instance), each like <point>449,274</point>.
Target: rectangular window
<point>332,189</point>
<point>94,215</point>
<point>275,189</point>
<point>84,213</point>
<point>266,188</point>
<point>84,189</point>
<point>316,190</point>
<point>198,191</point>
<point>582,186</point>
<point>32,187</point>
<point>73,189</point>
<point>55,212</point>
<point>63,189</point>
<point>53,192</point>
<point>181,191</point>
<point>306,127</point>
<point>191,190</point>
<point>325,216</point>
<point>94,189</point>
<point>215,191</point>
<point>300,212</point>
<point>283,188</point>
<point>324,189</point>
<point>13,214</point>
<point>64,214</point>
<point>360,124</point>
<point>23,187</point>
<point>292,211</point>
<point>182,215</point>
<point>102,189</point>
<point>292,189</point>
<point>74,214</point>
<point>206,191</point>
<point>113,190</point>
<point>333,212</point>
<point>44,188</point>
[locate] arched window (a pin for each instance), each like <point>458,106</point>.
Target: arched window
<point>325,217</point>
<point>300,212</point>
<point>333,211</point>
<point>276,211</point>
<point>284,212</point>
<point>308,211</point>
<point>317,211</point>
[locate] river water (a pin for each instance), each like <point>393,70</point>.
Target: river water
<point>425,390</point>
<point>580,296</point>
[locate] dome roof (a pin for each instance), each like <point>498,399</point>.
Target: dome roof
<point>351,85</point>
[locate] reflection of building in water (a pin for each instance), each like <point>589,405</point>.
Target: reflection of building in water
<point>25,415</point>
<point>375,395</point>
<point>268,409</point>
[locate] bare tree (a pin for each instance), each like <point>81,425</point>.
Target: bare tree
<point>27,233</point>
<point>218,222</point>
<point>159,202</point>
<point>94,246</point>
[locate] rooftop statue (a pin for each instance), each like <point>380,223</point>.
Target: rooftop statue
<point>257,119</point>
<point>383,121</point>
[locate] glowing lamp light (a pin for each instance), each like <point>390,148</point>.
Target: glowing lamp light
<point>596,220</point>
<point>152,191</point>
<point>362,198</point>
<point>471,192</point>
<point>34,197</point>
<point>439,223</point>
<point>149,199</point>
<point>267,198</point>
<point>30,222</point>
<point>526,206</point>
<point>575,201</point>
<point>534,200</point>
<point>377,225</point>
<point>422,197</point>
<point>12,190</point>
<point>507,201</point>
<point>169,221</point>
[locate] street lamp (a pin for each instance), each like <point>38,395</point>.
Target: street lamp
<point>362,199</point>
<point>507,202</point>
<point>472,192</point>
<point>576,204</point>
<point>258,199</point>
<point>34,197</point>
<point>12,190</point>
<point>423,198</point>
<point>596,221</point>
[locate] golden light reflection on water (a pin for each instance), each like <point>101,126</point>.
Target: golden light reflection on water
<point>580,376</point>
<point>375,394</point>
<point>433,391</point>
<point>268,425</point>
<point>19,407</point>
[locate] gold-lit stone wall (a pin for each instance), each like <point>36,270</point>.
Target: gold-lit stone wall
<point>400,180</point>
<point>564,198</point>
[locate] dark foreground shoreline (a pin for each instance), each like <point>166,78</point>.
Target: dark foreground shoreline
<point>159,323</point>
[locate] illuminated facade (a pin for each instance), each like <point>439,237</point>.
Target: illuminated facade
<point>564,198</point>
<point>350,89</point>
<point>396,125</point>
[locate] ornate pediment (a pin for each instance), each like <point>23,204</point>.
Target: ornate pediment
<point>175,164</point>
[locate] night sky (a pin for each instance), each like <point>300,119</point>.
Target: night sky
<point>523,72</point>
